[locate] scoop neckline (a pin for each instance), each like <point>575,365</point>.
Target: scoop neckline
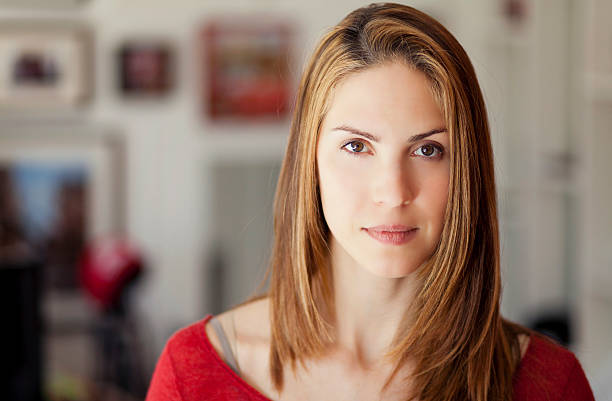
<point>235,377</point>
<point>253,391</point>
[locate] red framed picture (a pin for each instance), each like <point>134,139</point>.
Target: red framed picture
<point>246,68</point>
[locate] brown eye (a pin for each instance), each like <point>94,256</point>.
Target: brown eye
<point>428,150</point>
<point>355,147</point>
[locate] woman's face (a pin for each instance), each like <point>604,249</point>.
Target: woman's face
<point>383,166</point>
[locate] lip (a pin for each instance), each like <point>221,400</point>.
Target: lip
<point>392,234</point>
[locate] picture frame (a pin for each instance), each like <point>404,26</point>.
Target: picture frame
<point>61,186</point>
<point>45,65</point>
<point>247,69</point>
<point>145,68</point>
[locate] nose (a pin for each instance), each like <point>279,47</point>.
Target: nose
<point>392,186</point>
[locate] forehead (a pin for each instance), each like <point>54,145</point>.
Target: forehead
<point>383,98</point>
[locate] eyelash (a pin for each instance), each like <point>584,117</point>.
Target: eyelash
<point>436,146</point>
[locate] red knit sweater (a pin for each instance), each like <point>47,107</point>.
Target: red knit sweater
<point>189,369</point>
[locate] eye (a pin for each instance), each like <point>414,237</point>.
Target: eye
<point>355,147</point>
<point>429,151</point>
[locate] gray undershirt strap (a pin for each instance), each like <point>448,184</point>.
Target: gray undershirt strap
<point>227,350</point>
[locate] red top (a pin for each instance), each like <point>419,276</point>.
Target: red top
<point>189,369</point>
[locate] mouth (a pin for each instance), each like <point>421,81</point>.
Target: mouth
<point>392,234</point>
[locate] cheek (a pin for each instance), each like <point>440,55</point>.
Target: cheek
<point>439,198</point>
<point>342,189</point>
<point>434,195</point>
<point>440,192</point>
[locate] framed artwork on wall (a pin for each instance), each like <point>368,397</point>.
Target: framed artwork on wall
<point>247,70</point>
<point>146,68</point>
<point>60,186</point>
<point>44,65</point>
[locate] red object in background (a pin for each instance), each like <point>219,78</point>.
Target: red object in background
<point>247,66</point>
<point>107,267</point>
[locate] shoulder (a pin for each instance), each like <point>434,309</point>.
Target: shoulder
<point>247,328</point>
<point>189,368</point>
<point>549,371</point>
<point>190,353</point>
<point>188,338</point>
<point>184,366</point>
<point>244,326</point>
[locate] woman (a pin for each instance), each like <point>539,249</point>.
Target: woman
<point>385,279</point>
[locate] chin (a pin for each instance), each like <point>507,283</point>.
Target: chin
<point>391,270</point>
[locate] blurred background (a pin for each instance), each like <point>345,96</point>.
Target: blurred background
<point>140,143</point>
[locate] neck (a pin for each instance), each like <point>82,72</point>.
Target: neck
<point>368,308</point>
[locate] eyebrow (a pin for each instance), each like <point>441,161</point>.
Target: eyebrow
<point>374,138</point>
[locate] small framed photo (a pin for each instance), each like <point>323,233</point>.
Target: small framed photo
<point>60,187</point>
<point>247,70</point>
<point>146,69</point>
<point>44,65</point>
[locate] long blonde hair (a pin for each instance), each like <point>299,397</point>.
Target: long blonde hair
<point>462,347</point>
